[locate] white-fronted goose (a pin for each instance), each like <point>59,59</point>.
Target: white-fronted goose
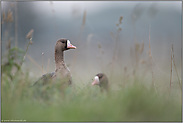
<point>101,80</point>
<point>61,70</point>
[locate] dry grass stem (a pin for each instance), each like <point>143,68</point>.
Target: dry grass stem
<point>142,48</point>
<point>150,56</point>
<point>54,19</point>
<point>8,46</point>
<point>175,67</point>
<point>84,20</point>
<point>4,16</point>
<point>126,76</point>
<point>16,25</point>
<point>114,58</point>
<point>112,35</point>
<point>30,42</point>
<point>34,62</point>
<point>171,69</point>
<point>115,47</point>
<point>100,56</point>
<point>48,65</point>
<point>81,31</point>
<point>137,46</point>
<point>137,51</point>
<point>134,32</point>
<point>42,62</point>
<point>181,63</point>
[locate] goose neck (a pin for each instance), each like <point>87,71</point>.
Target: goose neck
<point>59,60</point>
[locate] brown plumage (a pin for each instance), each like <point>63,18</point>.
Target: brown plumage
<point>61,70</point>
<point>101,80</point>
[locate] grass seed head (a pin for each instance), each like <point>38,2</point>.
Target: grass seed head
<point>30,33</point>
<point>120,19</point>
<point>9,16</point>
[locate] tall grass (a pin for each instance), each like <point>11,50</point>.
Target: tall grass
<point>150,56</point>
<point>133,101</point>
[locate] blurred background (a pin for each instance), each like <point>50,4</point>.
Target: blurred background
<point>107,35</point>
<point>131,42</point>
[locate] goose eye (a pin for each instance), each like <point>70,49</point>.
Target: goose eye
<point>62,41</point>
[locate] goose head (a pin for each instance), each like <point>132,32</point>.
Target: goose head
<point>63,44</point>
<point>101,80</point>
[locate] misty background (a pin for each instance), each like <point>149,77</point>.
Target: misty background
<point>90,26</point>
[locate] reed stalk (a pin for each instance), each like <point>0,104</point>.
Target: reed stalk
<point>150,56</point>
<point>42,62</point>
<point>48,65</point>
<point>16,25</point>
<point>81,31</point>
<point>176,68</point>
<point>171,70</point>
<point>34,62</point>
<point>117,38</point>
<point>25,52</point>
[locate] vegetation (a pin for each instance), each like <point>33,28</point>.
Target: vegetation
<point>133,103</point>
<point>134,100</point>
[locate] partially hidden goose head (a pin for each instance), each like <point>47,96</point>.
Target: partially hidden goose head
<point>101,80</point>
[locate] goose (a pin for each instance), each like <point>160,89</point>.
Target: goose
<point>61,69</point>
<point>101,80</point>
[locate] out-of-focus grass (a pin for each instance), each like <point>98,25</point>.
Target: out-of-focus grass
<point>131,97</point>
<point>135,102</point>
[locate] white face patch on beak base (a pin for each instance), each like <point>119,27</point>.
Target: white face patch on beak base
<point>70,46</point>
<point>68,42</point>
<point>96,81</point>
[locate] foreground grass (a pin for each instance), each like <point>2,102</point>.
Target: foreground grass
<point>135,102</point>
